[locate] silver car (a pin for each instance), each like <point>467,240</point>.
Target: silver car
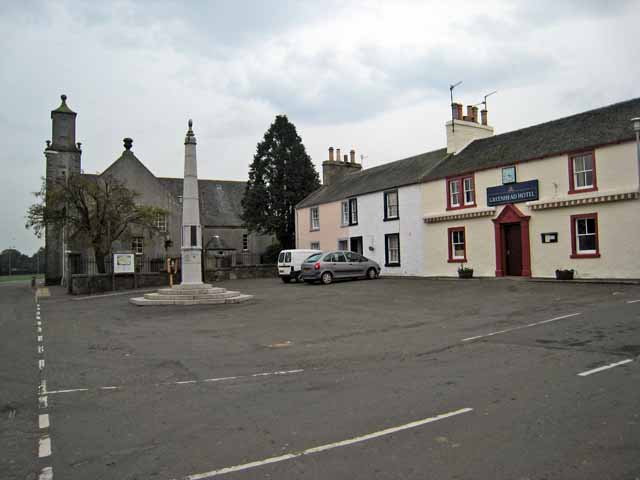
<point>329,266</point>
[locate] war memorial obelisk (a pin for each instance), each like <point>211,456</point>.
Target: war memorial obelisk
<point>191,229</point>
<point>191,291</point>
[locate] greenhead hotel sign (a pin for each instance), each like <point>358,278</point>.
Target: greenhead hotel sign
<point>512,193</point>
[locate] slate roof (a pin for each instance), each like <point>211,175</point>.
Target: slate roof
<point>383,177</point>
<point>602,126</point>
<point>220,200</point>
<point>593,128</point>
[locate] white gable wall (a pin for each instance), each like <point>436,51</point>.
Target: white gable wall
<point>372,228</point>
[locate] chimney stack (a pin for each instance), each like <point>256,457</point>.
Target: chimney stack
<point>484,117</point>
<point>467,128</point>
<point>337,167</point>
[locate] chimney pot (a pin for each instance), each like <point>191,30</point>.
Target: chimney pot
<point>470,112</point>
<point>474,114</point>
<point>331,154</point>
<point>346,158</point>
<point>337,154</point>
<point>484,117</point>
<point>353,155</point>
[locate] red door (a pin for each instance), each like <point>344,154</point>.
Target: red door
<point>513,249</point>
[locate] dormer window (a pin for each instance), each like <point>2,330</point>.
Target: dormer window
<point>461,192</point>
<point>582,173</point>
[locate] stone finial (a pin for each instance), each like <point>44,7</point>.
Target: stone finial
<point>48,143</point>
<point>79,145</point>
<point>63,97</point>
<point>191,137</point>
<point>128,143</point>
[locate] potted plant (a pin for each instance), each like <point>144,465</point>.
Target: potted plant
<point>464,272</point>
<point>564,274</point>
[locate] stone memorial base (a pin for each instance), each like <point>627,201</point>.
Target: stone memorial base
<point>196,294</point>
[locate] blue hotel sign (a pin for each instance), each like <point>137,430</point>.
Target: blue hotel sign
<point>512,193</point>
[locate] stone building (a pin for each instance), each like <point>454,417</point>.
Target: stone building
<point>220,205</point>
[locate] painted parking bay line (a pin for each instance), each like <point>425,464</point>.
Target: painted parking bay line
<point>325,447</point>
<point>605,367</point>
<point>633,301</point>
<point>529,325</point>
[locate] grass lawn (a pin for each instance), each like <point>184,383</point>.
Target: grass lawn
<point>16,278</point>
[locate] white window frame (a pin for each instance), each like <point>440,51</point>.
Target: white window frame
<point>314,245</point>
<point>388,205</point>
<point>137,245</point>
<point>470,190</point>
<point>161,222</point>
<point>344,213</point>
<point>578,173</point>
<point>593,234</point>
<point>314,213</point>
<point>454,243</point>
<point>455,182</point>
<point>392,252</point>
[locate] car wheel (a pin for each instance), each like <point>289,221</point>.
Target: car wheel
<point>286,279</point>
<point>372,274</point>
<point>326,278</point>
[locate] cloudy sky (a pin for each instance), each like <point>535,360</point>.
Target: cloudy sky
<point>367,75</point>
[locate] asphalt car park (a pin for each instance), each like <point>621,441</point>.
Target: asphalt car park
<point>395,378</point>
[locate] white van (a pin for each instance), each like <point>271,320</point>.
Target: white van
<point>290,261</point>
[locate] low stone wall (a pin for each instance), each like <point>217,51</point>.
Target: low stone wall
<point>240,271</point>
<point>82,284</point>
<point>88,284</point>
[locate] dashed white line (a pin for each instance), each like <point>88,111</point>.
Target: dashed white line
<point>42,388</point>
<point>633,301</point>
<point>43,421</point>
<point>324,448</point>
<point>520,327</point>
<point>44,447</point>
<point>40,349</point>
<point>182,382</point>
<point>41,364</point>
<point>46,474</point>
<point>39,329</point>
<point>605,367</point>
<point>43,402</point>
<point>39,338</point>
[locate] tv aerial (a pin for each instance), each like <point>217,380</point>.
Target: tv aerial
<point>453,120</point>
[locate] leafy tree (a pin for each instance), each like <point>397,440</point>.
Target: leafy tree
<point>280,176</point>
<point>95,210</point>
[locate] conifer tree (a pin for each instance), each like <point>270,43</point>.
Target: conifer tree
<point>280,176</point>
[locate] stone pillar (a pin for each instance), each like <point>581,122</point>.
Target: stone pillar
<point>191,229</point>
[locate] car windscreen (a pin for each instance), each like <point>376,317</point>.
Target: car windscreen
<point>287,257</point>
<point>313,258</point>
<point>281,257</point>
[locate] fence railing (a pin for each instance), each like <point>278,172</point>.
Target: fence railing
<point>79,264</point>
<point>89,266</point>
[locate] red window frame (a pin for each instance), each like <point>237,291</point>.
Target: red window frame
<point>574,243</point>
<point>450,243</point>
<point>460,180</point>
<point>572,186</point>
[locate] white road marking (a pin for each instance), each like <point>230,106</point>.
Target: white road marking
<point>42,388</point>
<point>520,327</point>
<point>42,401</point>
<point>43,421</point>
<point>605,367</point>
<point>130,292</point>
<point>46,474</point>
<point>324,448</point>
<point>633,301</point>
<point>39,329</point>
<point>44,447</point>
<point>70,390</point>
<point>40,349</point>
<point>41,364</point>
<point>183,382</point>
<point>40,338</point>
